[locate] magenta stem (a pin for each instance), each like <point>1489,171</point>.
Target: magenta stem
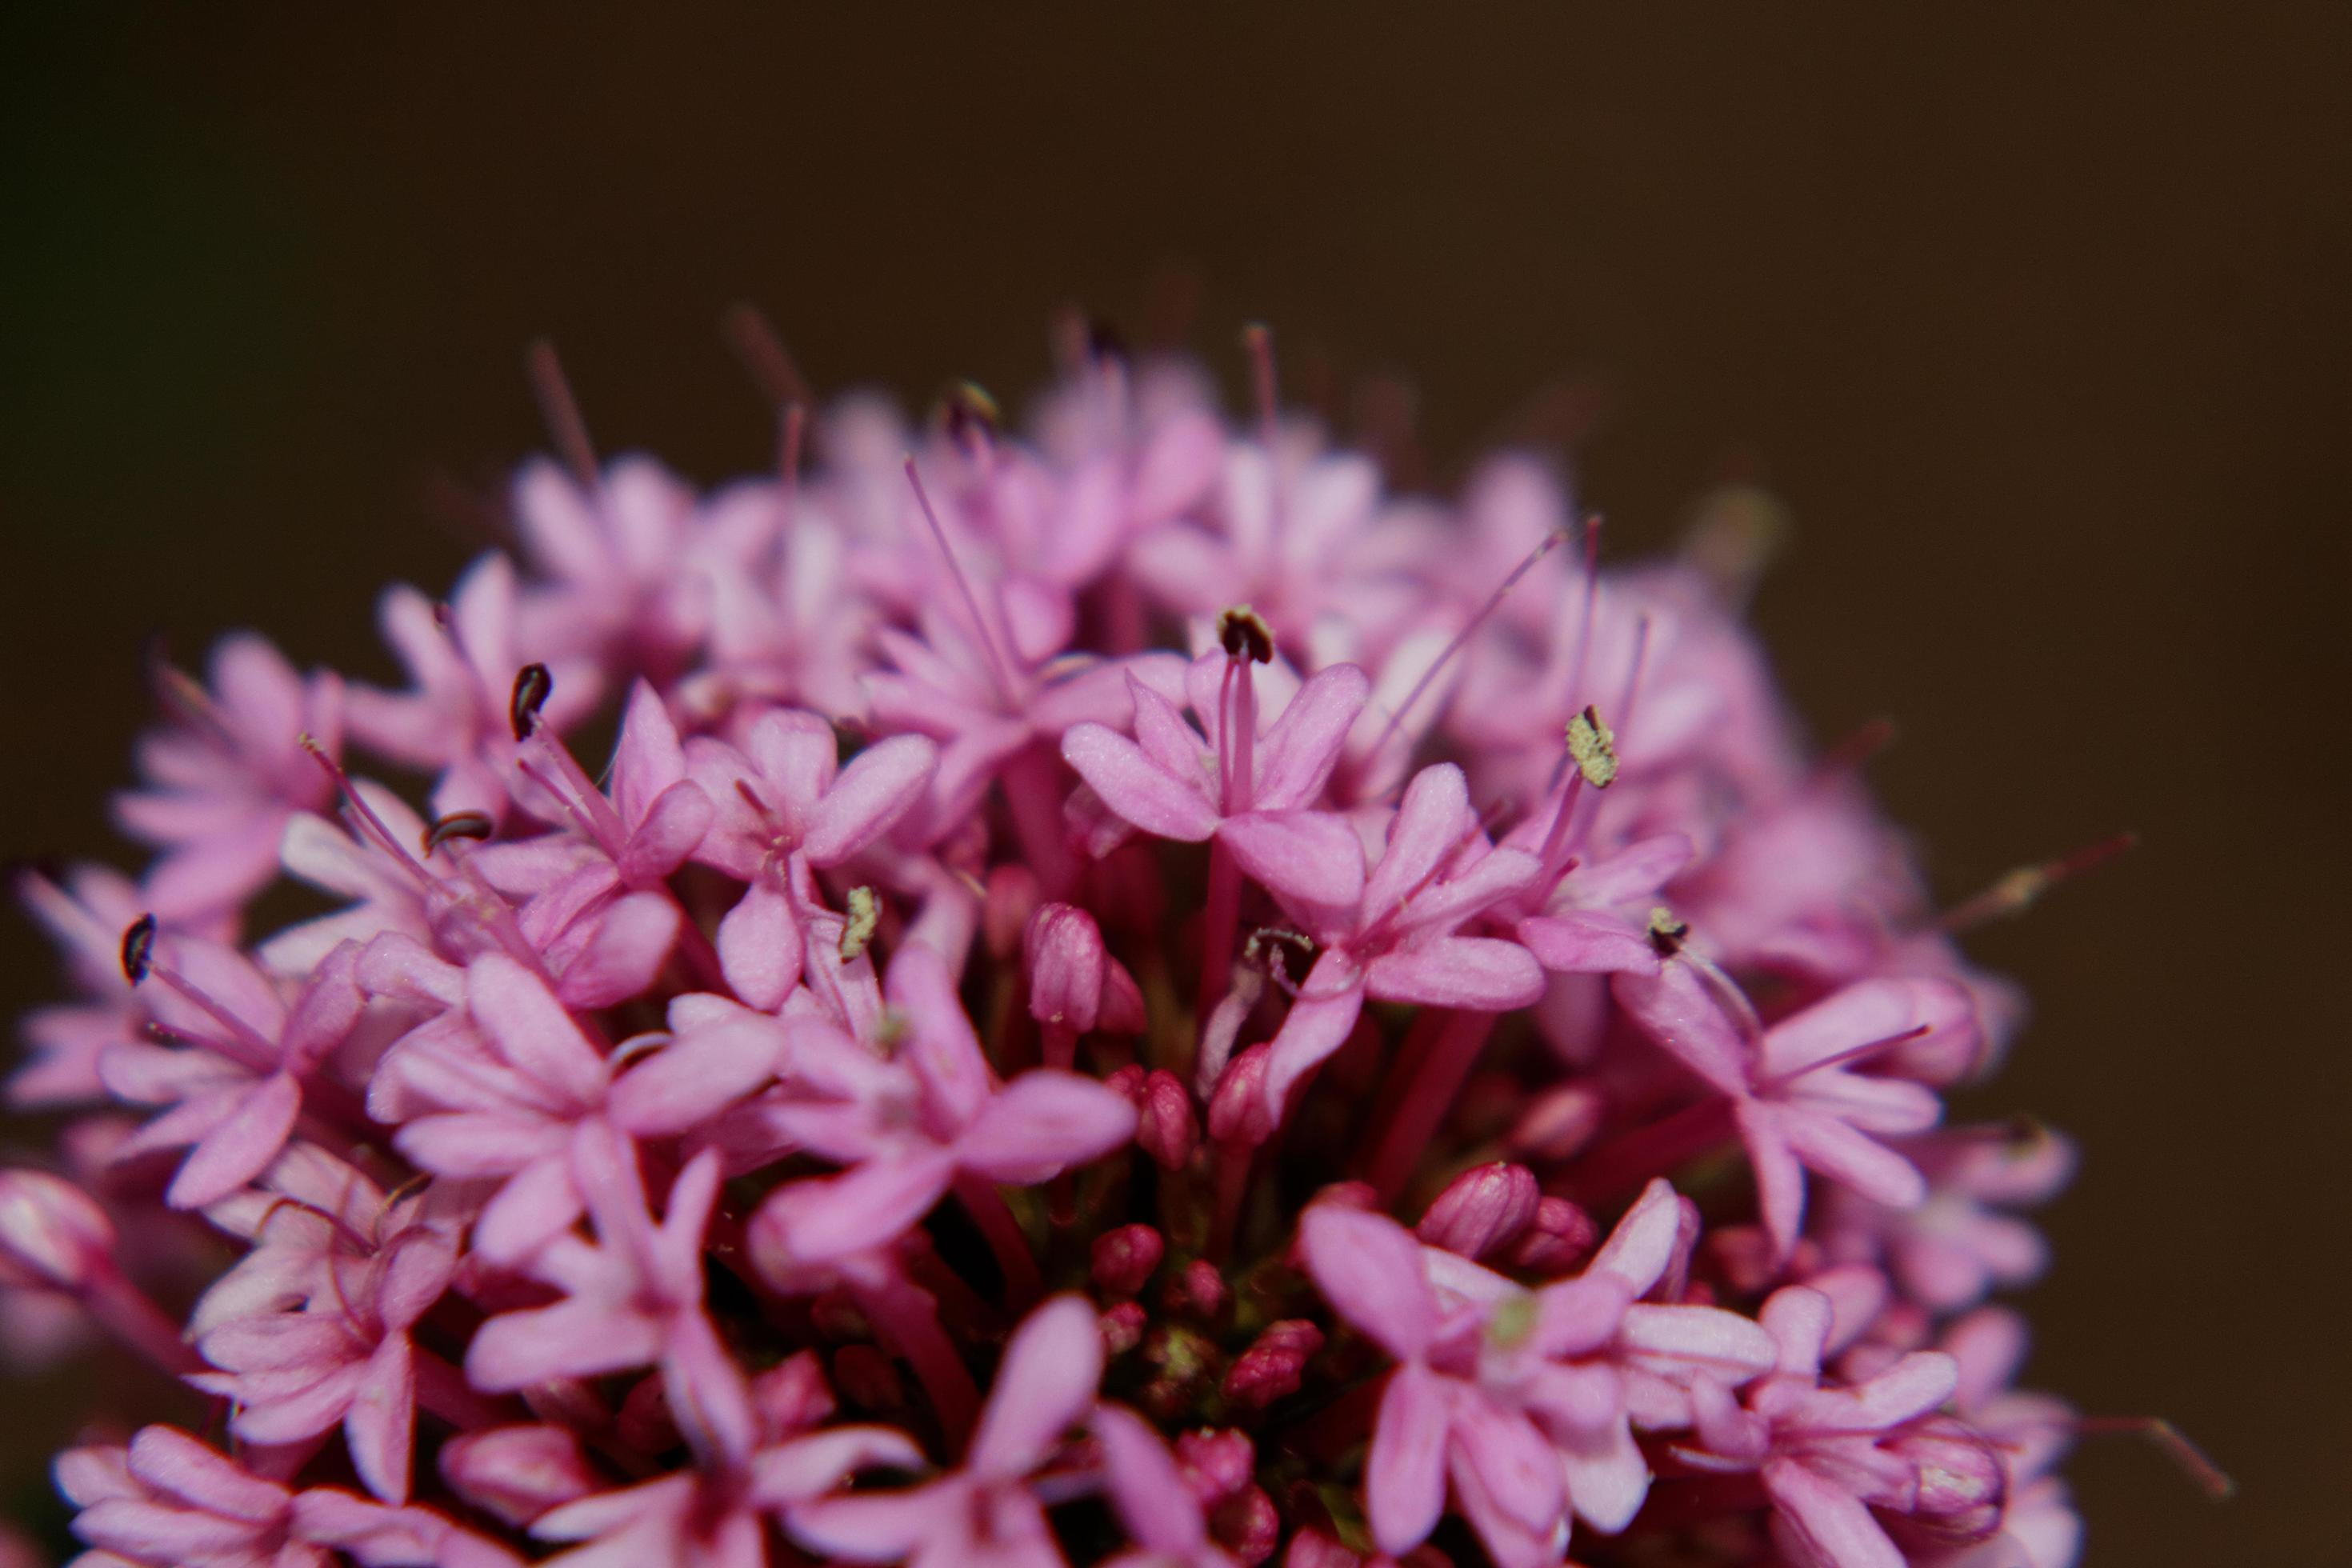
<point>979,1198</point>
<point>906,1318</point>
<point>443,1390</point>
<point>1060,1045</point>
<point>1220,924</point>
<point>126,1313</point>
<point>1427,1097</point>
<point>1625,1162</point>
<point>1032,793</point>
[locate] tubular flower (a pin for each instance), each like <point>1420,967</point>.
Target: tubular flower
<point>953,1088</point>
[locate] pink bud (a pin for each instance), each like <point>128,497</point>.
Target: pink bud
<point>1165,1126</point>
<point>1238,1112</point>
<point>1198,1291</point>
<point>1962,1488</point>
<point>1124,1259</point>
<point>1558,1124</point>
<point>1273,1365</point>
<point>1556,1239</point>
<point>1249,1526</point>
<point>792,1395</point>
<point>51,1232</point>
<point>1127,1084</point>
<point>1063,949</point>
<point>1481,1210</point>
<point>1012,899</point>
<point>1216,1464</point>
<point>1123,1323</point>
<point>517,1472</point>
<point>1319,1549</point>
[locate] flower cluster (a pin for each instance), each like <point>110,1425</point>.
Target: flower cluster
<point>1121,995</point>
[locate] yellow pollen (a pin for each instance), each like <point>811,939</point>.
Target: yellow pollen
<point>865,914</point>
<point>1592,745</point>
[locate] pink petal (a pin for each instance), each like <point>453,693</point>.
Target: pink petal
<point>381,1421</point>
<point>877,788</point>
<point>1640,1249</point>
<point>1131,784</point>
<point>1369,1268</point>
<point>1042,1123</point>
<point>826,1219</point>
<point>1145,1486</point>
<point>883,1527</point>
<point>1044,1385</point>
<point>1607,1479</point>
<point>531,1030</point>
<point>1837,1150</point>
<point>647,761</point>
<point>479,1142</point>
<point>1312,856</point>
<point>170,1461</point>
<point>1429,824</point>
<point>1723,1343</point>
<point>1914,1385</point>
<point>1518,1469</point>
<point>1779,1179</point>
<point>241,1147</point>
<point>1299,749</point>
<point>1834,1526</point>
<point>705,1393</point>
<point>1581,941</point>
<point>1404,1475</point>
<point>1484,974</point>
<point>695,1076</point>
<point>760,945</point>
<point>672,830</point>
<point>804,1467</point>
<point>1319,1023</point>
<point>1676,1009</point>
<point>537,1203</point>
<point>940,1041</point>
<point>571,1338</point>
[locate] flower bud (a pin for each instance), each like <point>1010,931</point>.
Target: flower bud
<point>1216,1464</point>
<point>1124,1259</point>
<point>1319,1549</point>
<point>1063,950</point>
<point>1962,1488</point>
<point>1238,1112</point>
<point>1556,1239</point>
<point>1198,1291</point>
<point>1271,1368</point>
<point>1166,1128</point>
<point>1481,1210</point>
<point>1123,1323</point>
<point>1558,1124</point>
<point>517,1472</point>
<point>51,1232</point>
<point>1248,1526</point>
<point>792,1395</point>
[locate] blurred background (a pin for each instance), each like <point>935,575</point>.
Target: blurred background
<point>2035,318</point>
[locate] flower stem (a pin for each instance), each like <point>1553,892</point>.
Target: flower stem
<point>1428,1095</point>
<point>1220,923</point>
<point>1023,1283</point>
<point>906,1318</point>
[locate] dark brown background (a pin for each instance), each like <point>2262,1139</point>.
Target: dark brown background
<point>2036,317</point>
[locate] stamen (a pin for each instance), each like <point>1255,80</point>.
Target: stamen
<point>369,825</point>
<point>561,410</point>
<point>138,949</point>
<point>532,687</point>
<point>2175,1444</point>
<point>1258,340</point>
<point>765,359</point>
<point>997,666</point>
<point>973,417</point>
<point>1846,1057</point>
<point>1590,743</point>
<point>1494,602</point>
<point>2017,891</point>
<point>1242,632</point>
<point>1666,932</point>
<point>792,435</point>
<point>865,914</point>
<point>457,825</point>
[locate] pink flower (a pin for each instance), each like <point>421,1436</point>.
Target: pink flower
<point>229,773</point>
<point>985,1514</point>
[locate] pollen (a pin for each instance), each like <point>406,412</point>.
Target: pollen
<point>1591,744</point>
<point>865,914</point>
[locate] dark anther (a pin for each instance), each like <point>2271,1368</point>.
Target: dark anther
<point>1666,932</point>
<point>1244,634</point>
<point>1266,945</point>
<point>531,687</point>
<point>971,414</point>
<point>138,949</point>
<point>457,825</point>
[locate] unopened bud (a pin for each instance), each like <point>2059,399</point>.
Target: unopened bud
<point>1481,1210</point>
<point>792,1395</point>
<point>518,1473</point>
<point>1273,1365</point>
<point>1063,948</point>
<point>1123,1324</point>
<point>1962,1488</point>
<point>1558,1238</point>
<point>1165,1125</point>
<point>1124,1259</point>
<point>1249,1526</point>
<point>1198,1291</point>
<point>1313,1548</point>
<point>1558,1124</point>
<point>1217,1464</point>
<point>51,1232</point>
<point>1238,1112</point>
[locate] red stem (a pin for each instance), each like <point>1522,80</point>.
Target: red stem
<point>979,1198</point>
<point>1428,1096</point>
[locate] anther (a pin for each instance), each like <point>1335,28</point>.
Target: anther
<point>1591,744</point>
<point>865,914</point>
<point>2020,889</point>
<point>1242,632</point>
<point>1666,932</point>
<point>138,949</point>
<point>532,687</point>
<point>972,416</point>
<point>457,825</point>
